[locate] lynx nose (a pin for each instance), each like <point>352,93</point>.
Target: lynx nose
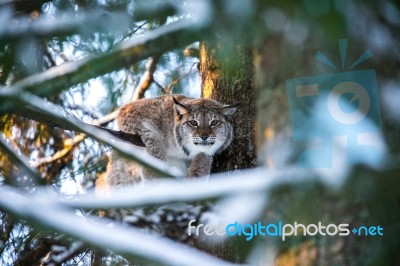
<point>204,137</point>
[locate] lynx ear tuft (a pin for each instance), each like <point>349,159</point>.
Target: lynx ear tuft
<point>229,110</point>
<point>179,108</point>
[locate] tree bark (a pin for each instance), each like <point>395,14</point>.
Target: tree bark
<point>227,74</point>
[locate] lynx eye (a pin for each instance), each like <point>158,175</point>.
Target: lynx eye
<point>193,123</point>
<point>214,123</point>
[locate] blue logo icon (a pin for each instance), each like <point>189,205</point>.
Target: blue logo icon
<point>341,107</point>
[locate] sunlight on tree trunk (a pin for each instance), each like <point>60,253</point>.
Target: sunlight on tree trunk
<point>227,75</point>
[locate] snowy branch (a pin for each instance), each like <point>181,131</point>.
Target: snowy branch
<point>170,191</point>
<point>18,160</point>
<point>152,43</point>
<point>41,117</point>
<point>65,25</point>
<point>15,28</point>
<point>130,242</point>
<point>128,150</point>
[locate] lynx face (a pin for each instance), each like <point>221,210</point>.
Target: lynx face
<point>202,128</point>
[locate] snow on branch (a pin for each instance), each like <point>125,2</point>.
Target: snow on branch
<point>33,114</point>
<point>152,43</point>
<point>67,24</point>
<point>130,242</point>
<point>21,27</point>
<point>234,192</point>
<point>19,160</point>
<point>217,187</point>
<point>126,149</point>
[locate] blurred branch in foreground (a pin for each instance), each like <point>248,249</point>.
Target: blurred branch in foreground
<point>169,191</point>
<point>130,151</point>
<point>66,25</point>
<point>130,242</point>
<point>155,42</point>
<point>41,117</point>
<point>72,23</point>
<point>19,161</point>
<point>269,193</point>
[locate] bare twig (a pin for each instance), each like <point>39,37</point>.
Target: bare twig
<point>72,143</point>
<point>160,86</point>
<point>107,119</point>
<point>173,83</point>
<point>131,33</point>
<point>146,79</point>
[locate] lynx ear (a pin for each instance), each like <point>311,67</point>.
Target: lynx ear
<point>229,110</point>
<point>179,108</point>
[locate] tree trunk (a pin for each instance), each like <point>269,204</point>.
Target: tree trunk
<point>227,74</point>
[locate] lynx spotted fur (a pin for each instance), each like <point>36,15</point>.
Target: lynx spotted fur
<point>176,129</point>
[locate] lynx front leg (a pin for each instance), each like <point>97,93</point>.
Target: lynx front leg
<point>146,173</point>
<point>155,146</point>
<point>200,165</point>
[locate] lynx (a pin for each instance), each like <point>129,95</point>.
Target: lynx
<point>176,129</point>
